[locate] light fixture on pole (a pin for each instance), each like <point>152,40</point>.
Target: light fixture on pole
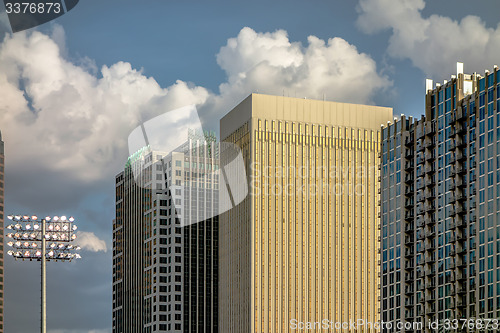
<point>42,239</point>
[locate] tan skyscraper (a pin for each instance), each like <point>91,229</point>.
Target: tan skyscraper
<point>304,245</point>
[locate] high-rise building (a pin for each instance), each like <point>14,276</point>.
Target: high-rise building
<point>304,245</point>
<point>441,205</point>
<point>165,272</point>
<point>2,204</point>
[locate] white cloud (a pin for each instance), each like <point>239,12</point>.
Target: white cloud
<point>66,118</point>
<point>62,115</point>
<point>270,63</point>
<point>435,43</point>
<point>90,242</point>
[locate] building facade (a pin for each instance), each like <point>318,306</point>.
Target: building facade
<point>304,245</point>
<point>165,240</point>
<point>2,205</point>
<point>440,202</point>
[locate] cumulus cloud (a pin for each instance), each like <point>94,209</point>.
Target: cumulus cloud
<point>60,112</point>
<point>271,63</point>
<point>90,242</point>
<point>69,118</point>
<point>432,43</point>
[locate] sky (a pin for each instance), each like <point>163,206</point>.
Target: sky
<point>72,90</point>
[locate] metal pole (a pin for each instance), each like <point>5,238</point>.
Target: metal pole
<point>43,324</point>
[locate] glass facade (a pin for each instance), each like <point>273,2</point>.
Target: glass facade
<point>449,205</point>
<point>165,272</point>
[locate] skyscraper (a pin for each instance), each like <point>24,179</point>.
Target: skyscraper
<point>2,198</point>
<point>441,205</point>
<point>165,272</point>
<point>303,246</point>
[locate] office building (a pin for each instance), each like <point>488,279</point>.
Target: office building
<point>165,272</point>
<point>440,204</point>
<point>304,244</point>
<point>2,205</point>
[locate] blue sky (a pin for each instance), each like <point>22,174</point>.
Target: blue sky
<point>72,90</point>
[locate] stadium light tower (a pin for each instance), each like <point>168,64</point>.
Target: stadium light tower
<point>42,240</point>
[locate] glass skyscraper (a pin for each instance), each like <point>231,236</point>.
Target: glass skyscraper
<point>165,273</point>
<point>440,200</point>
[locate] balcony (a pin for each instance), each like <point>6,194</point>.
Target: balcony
<point>409,289</point>
<point>409,264</point>
<point>430,233</point>
<point>452,238</point>
<point>428,143</point>
<point>408,139</point>
<point>452,145</point>
<point>459,222</point>
<point>409,240</point>
<point>430,128</point>
<point>430,219</point>
<point>450,185</point>
<point>460,128</point>
<point>430,284</point>
<point>430,271</point>
<point>460,169</point>
<point>429,207</point>
<point>430,308</point>
<point>429,169</point>
<point>409,165</point>
<point>409,277</point>
<point>409,252</point>
<point>453,171</point>
<point>421,247</point>
<point>409,315</point>
<point>408,203</point>
<point>430,259</point>
<point>461,303</point>
<point>451,120</point>
<point>409,228</point>
<point>429,181</point>
<point>459,195</point>
<point>429,155</point>
<point>409,178</point>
